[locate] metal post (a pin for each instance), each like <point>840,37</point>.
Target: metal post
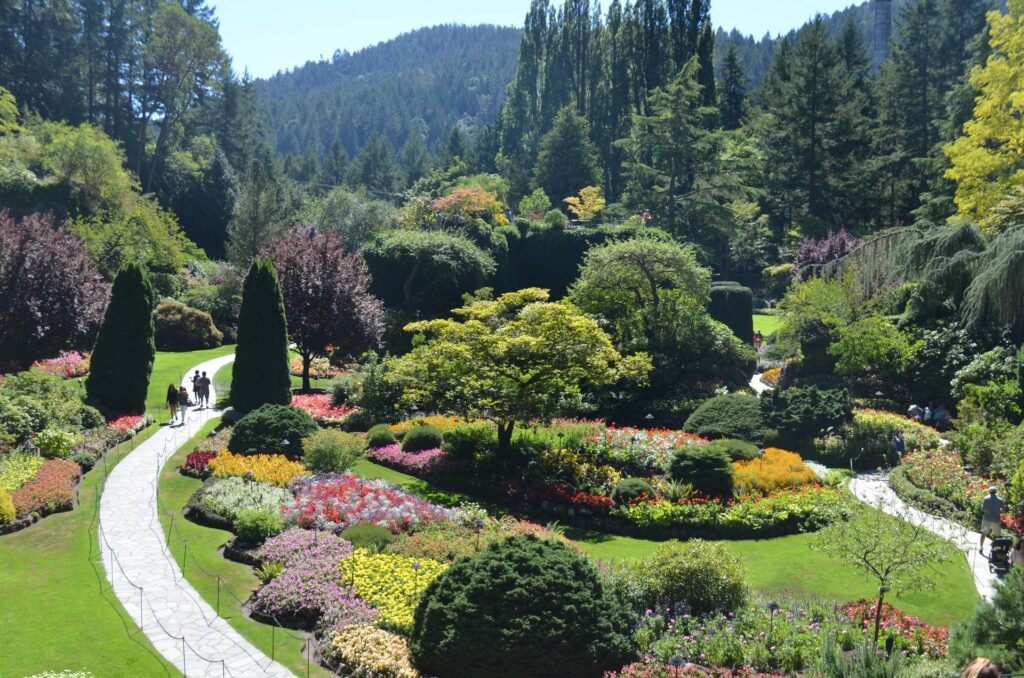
<point>273,637</point>
<point>184,559</point>
<point>184,666</point>
<point>218,596</point>
<point>141,605</point>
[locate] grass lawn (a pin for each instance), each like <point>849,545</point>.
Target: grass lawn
<point>237,581</point>
<point>170,368</point>
<point>222,383</point>
<point>785,566</point>
<point>58,611</point>
<point>766,323</point>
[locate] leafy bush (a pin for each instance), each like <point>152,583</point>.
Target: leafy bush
<point>697,576</point>
<point>556,219</point>
<point>529,593</point>
<point>864,662</point>
<point>728,416</point>
<point>738,450</point>
<point>54,443</point>
<point>343,389</point>
<point>421,438</point>
<point>255,526</point>
<point>380,436</point>
<point>706,468</point>
<point>181,328</point>
<point>229,497</point>
<point>868,441</point>
<point>368,536</point>
<point>629,489</point>
<point>7,512</point>
<point>996,628</point>
<point>774,470</point>
<point>331,451</point>
<point>274,469</point>
<point>799,415</point>
<point>471,441</point>
<point>378,393</point>
<point>85,460</point>
<point>265,430</point>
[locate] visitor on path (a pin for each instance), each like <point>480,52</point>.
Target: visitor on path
<point>204,391</point>
<point>1018,552</point>
<point>183,403</point>
<point>899,443</point>
<point>981,667</point>
<point>646,216</point>
<point>172,402</point>
<point>195,386</point>
<point>991,516</point>
<point>757,341</point>
<point>928,413</point>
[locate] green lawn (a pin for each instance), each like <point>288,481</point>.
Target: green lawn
<point>205,564</point>
<point>778,567</point>
<point>767,324</point>
<point>171,368</point>
<point>58,611</point>
<point>222,383</point>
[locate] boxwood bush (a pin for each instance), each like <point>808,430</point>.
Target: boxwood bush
<point>738,450</point>
<point>521,607</point>
<point>629,489</point>
<point>420,438</point>
<point>255,526</point>
<point>380,435</point>
<point>733,415</point>
<point>265,430</point>
<point>707,468</point>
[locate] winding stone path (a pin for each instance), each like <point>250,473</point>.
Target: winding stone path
<point>873,488</point>
<point>135,554</point>
<point>758,385</point>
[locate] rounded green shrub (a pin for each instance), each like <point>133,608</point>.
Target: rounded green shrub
<point>343,389</point>
<point>331,451</point>
<point>471,441</point>
<point>708,469</point>
<point>181,328</point>
<point>728,416</point>
<point>420,438</point>
<point>699,576</point>
<point>521,607</point>
<point>380,435</point>
<point>738,450</point>
<point>628,489</point>
<point>90,417</point>
<point>55,443</point>
<point>265,430</point>
<point>86,460</point>
<point>7,512</point>
<point>255,526</point>
<point>368,536</point>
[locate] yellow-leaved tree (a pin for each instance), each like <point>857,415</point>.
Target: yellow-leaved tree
<point>988,159</point>
<point>588,204</point>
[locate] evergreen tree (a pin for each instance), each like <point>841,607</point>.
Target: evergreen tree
<point>260,374</point>
<point>567,160</point>
<point>415,158</point>
<point>332,169</point>
<point>456,148</point>
<point>733,90</point>
<point>706,71</point>
<point>374,168</point>
<point>122,360</point>
<point>256,215</point>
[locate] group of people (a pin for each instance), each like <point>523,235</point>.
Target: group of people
<point>178,400</point>
<point>759,344</point>
<point>937,417</point>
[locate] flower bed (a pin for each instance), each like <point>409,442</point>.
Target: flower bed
<point>225,498</point>
<point>273,469</point>
<point>51,490</point>
<point>646,451</point>
<point>321,408</point>
<point>656,669</point>
<point>448,540</point>
<point>941,472</point>
<point>868,441</point>
<point>127,423</point>
<point>197,464</point>
<point>67,364</point>
<point>564,493</point>
<point>319,368</point>
<point>392,583</point>
<point>773,470</point>
<point>335,502</point>
<point>427,462</point>
<point>770,377</point>
<point>363,650</point>
<point>17,468</point>
<point>917,638</point>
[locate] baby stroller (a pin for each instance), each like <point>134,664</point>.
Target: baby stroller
<point>999,561</point>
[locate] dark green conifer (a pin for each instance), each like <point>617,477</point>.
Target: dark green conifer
<point>122,360</point>
<point>260,373</point>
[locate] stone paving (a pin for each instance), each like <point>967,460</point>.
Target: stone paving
<point>873,488</point>
<point>180,624</point>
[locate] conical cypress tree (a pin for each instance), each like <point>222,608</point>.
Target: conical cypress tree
<point>122,360</point>
<point>260,374</point>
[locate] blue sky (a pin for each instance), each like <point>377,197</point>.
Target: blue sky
<point>270,35</point>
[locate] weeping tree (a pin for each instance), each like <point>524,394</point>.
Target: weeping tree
<point>995,298</point>
<point>122,360</point>
<point>260,373</point>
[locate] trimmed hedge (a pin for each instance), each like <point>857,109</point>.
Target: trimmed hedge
<point>380,435</point>
<point>629,489</point>
<point>264,430</point>
<point>182,328</point>
<point>420,438</point>
<point>733,305</point>
<point>738,450</point>
<point>261,372</point>
<point>728,416</point>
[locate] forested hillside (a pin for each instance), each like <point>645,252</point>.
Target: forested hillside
<point>423,82</point>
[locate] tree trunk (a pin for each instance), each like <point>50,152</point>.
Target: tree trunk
<point>878,615</point>
<point>307,358</point>
<point>505,437</point>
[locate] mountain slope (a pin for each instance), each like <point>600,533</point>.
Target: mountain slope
<point>429,79</point>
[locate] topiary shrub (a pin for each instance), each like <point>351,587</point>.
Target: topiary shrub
<point>331,451</point>
<point>699,576</point>
<point>801,414</point>
<point>7,511</point>
<point>706,468</point>
<point>728,416</point>
<point>255,526</point>
<point>628,489</point>
<point>261,372</point>
<point>380,435</point>
<point>521,607</point>
<point>265,430</point>
<point>733,305</point>
<point>368,536</point>
<point>420,438</point>
<point>738,450</point>
<point>182,328</point>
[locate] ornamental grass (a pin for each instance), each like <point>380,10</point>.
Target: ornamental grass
<point>775,469</point>
<point>274,469</point>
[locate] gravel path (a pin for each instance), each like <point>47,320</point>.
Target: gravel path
<point>873,488</point>
<point>148,581</point>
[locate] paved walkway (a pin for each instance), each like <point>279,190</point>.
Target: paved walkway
<point>873,488</point>
<point>758,385</point>
<point>179,623</point>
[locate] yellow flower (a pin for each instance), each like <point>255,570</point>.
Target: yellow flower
<point>275,469</point>
<point>392,583</point>
<point>368,652</point>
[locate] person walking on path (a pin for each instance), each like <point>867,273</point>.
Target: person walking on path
<point>204,391</point>
<point>991,516</point>
<point>196,386</point>
<point>172,402</point>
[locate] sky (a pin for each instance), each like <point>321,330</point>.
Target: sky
<point>265,36</point>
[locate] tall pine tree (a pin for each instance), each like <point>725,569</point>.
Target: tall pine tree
<point>122,360</point>
<point>732,92</point>
<point>260,374</point>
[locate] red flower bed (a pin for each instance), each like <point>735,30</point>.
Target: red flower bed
<point>564,493</point>
<point>197,464</point>
<point>126,423</point>
<point>320,407</point>
<point>655,669</point>
<point>52,489</point>
<point>929,640</point>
